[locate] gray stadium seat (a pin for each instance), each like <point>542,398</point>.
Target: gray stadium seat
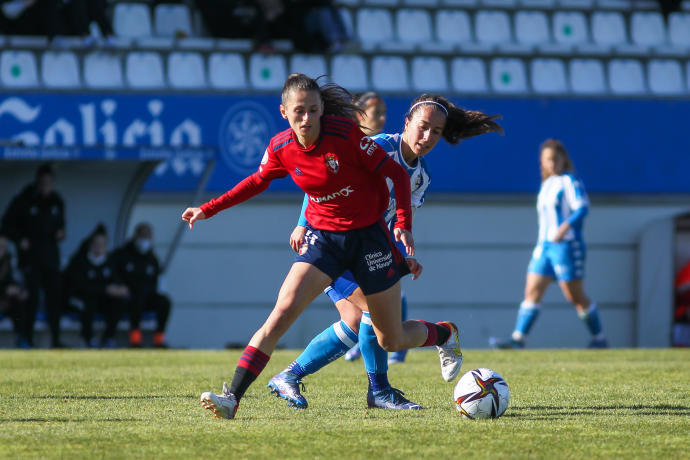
<point>144,70</point>
<point>548,76</point>
<point>665,77</point>
<point>18,69</point>
<point>453,27</point>
<point>172,20</point>
<point>374,26</point>
<point>679,29</point>
<point>425,3</point>
<point>102,70</point>
<point>350,71</point>
<point>608,28</point>
<point>132,20</point>
<point>492,27</point>
<point>647,28</point>
<point>532,27</point>
<point>570,28</point>
<point>60,69</point>
<point>413,26</point>
<point>308,64</point>
<point>587,76</point>
<point>380,2</point>
<point>508,75</point>
<point>468,75</point>
<point>626,77</point>
<point>429,74</point>
<point>389,73</point>
<point>267,71</point>
<point>227,71</point>
<point>186,70</point>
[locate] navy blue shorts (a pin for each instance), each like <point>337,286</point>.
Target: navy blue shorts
<point>369,253</point>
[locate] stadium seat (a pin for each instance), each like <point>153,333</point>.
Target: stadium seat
<point>380,2</point>
<point>508,75</point>
<point>144,70</point>
<point>172,20</point>
<point>425,3</point>
<point>132,20</point>
<point>227,71</point>
<point>60,70</point>
<point>570,28</point>
<point>460,3</point>
<point>492,27</point>
<point>374,26</point>
<point>537,4</point>
<point>429,74</point>
<point>350,71</point>
<point>665,77</point>
<point>679,29</point>
<point>186,70</point>
<point>626,77</point>
<point>453,26</point>
<point>267,71</point>
<point>548,76</point>
<point>413,26</point>
<point>587,76</point>
<point>531,27</point>
<point>102,70</point>
<point>647,28</point>
<point>308,64</point>
<point>468,75</point>
<point>389,73</point>
<point>608,28</point>
<point>18,69</point>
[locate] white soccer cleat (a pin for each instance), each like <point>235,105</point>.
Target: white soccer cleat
<point>450,353</point>
<point>224,405</point>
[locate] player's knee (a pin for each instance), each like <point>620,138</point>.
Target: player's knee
<point>390,344</point>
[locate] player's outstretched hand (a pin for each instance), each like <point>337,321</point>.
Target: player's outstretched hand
<point>415,267</point>
<point>191,215</point>
<point>405,237</point>
<point>297,237</point>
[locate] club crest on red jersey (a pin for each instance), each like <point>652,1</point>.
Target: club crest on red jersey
<point>332,163</point>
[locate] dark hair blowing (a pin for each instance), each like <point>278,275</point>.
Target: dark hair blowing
<point>460,123</point>
<point>336,99</point>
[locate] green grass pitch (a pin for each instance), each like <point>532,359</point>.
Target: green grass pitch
<point>145,404</point>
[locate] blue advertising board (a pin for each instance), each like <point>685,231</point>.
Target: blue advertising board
<point>618,146</point>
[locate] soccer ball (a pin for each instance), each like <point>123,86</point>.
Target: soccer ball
<point>481,393</point>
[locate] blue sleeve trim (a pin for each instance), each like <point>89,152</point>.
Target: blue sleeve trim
<point>576,218</point>
<point>302,219</point>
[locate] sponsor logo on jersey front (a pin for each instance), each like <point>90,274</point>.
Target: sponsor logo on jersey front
<point>332,163</point>
<point>367,145</point>
<point>343,192</point>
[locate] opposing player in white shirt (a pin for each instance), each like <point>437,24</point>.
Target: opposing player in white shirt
<point>562,205</point>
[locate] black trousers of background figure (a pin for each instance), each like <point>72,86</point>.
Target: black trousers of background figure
<point>46,280</point>
<point>150,301</point>
<point>112,309</point>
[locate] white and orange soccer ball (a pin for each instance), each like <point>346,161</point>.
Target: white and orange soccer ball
<point>481,393</point>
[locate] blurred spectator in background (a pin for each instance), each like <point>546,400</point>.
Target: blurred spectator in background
<point>374,117</point>
<point>137,266</point>
<point>91,286</point>
<point>35,222</point>
<point>79,14</point>
<point>241,19</point>
<point>13,296</point>
<point>31,17</point>
<point>316,26</point>
<point>681,326</point>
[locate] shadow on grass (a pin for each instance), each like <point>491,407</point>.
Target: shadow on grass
<point>67,420</point>
<point>559,412</point>
<point>95,397</point>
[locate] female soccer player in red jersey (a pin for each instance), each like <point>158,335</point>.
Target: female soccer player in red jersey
<point>344,174</point>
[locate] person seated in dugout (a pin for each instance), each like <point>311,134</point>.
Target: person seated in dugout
<point>13,296</point>
<point>92,286</point>
<point>138,267</point>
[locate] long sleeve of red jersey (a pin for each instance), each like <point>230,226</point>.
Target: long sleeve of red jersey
<point>247,188</point>
<point>403,195</point>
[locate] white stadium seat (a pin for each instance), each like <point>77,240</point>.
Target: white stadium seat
<point>186,70</point>
<point>413,26</point>
<point>102,70</point>
<point>389,73</point>
<point>492,27</point>
<point>608,28</point>
<point>626,77</point>
<point>647,29</point>
<point>144,70</point>
<point>468,75</point>
<point>308,64</point>
<point>531,28</point>
<point>679,29</point>
<point>665,77</point>
<point>570,28</point>
<point>172,20</point>
<point>587,76</point>
<point>267,71</point>
<point>350,72</point>
<point>374,26</point>
<point>508,75</point>
<point>548,76</point>
<point>132,20</point>
<point>453,26</point>
<point>18,69</point>
<point>227,71</point>
<point>60,70</point>
<point>429,74</point>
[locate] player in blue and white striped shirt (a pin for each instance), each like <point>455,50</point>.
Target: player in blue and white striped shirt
<point>562,205</point>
